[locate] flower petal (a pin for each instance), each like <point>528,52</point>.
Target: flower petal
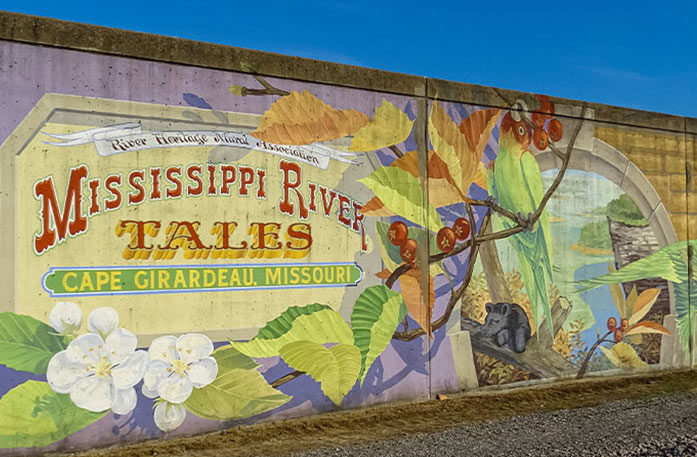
<point>175,389</point>
<point>154,374</point>
<point>94,394</point>
<point>63,372</point>
<point>65,317</point>
<point>103,321</point>
<point>193,347</point>
<point>149,393</point>
<point>164,348</point>
<point>168,416</point>
<point>87,348</point>
<point>119,345</point>
<point>203,372</point>
<point>124,401</point>
<point>130,372</point>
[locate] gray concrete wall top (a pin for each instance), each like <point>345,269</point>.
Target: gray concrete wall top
<point>91,38</point>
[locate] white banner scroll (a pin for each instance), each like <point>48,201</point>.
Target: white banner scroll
<point>121,138</point>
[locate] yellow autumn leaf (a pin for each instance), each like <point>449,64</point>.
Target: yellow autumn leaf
<point>617,293</point>
<point>389,126</point>
<point>629,303</point>
<point>438,122</point>
<point>622,355</point>
<point>643,304</point>
<point>301,118</point>
<point>418,301</point>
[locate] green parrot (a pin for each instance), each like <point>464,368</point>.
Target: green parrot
<point>515,183</point>
<point>669,263</point>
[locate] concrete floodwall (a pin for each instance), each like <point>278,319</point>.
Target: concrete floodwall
<point>196,236</point>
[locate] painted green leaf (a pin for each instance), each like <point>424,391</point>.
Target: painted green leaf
<point>375,316</point>
<point>27,344</point>
<point>336,368</point>
<point>316,322</point>
<point>33,415</point>
<point>239,390</point>
<point>390,252</point>
<point>402,194</point>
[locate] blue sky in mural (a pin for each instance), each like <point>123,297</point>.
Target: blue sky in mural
<point>635,54</point>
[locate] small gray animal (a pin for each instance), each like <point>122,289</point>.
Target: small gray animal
<point>507,324</point>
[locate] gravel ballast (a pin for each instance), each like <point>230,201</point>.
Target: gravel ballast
<point>664,426</point>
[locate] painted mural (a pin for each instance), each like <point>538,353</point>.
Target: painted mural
<point>235,248</point>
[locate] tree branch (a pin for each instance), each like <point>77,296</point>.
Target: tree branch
<point>284,379</point>
<point>398,152</point>
<point>538,357</point>
<point>267,90</point>
<point>544,362</point>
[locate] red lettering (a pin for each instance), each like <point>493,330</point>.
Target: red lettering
<point>109,183</point>
<point>285,205</point>
<point>141,229</point>
<point>327,206</point>
<point>313,187</point>
<point>261,193</point>
<point>299,231</point>
<point>196,178</point>
<point>94,196</point>
<point>246,178</point>
<point>228,178</point>
<point>155,193</point>
<point>51,214</point>
<point>183,231</point>
<point>173,176</point>
<point>211,180</point>
<point>344,205</point>
<point>138,197</point>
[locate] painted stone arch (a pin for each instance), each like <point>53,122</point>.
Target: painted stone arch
<point>607,161</point>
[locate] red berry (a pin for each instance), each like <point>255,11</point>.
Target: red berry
<point>398,233</point>
<point>619,335</point>
<point>408,250</point>
<point>446,239</point>
<point>540,138</point>
<point>538,119</point>
<point>555,129</point>
<point>611,324</point>
<point>546,106</point>
<point>461,228</point>
<point>624,325</point>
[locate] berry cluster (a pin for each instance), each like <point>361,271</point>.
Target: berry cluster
<point>618,331</point>
<point>398,234</point>
<point>546,125</point>
<point>446,237</point>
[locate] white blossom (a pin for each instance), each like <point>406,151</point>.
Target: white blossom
<point>65,317</point>
<point>169,416</point>
<point>103,321</point>
<point>100,372</point>
<point>178,365</point>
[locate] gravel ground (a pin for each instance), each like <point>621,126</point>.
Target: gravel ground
<point>665,426</point>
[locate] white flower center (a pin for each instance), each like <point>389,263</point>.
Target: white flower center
<point>103,368</point>
<point>180,367</point>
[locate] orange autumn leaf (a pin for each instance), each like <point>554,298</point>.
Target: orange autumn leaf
<point>647,327</point>
<point>384,274</point>
<point>419,302</point>
<point>302,118</point>
<point>461,147</point>
<point>477,129</point>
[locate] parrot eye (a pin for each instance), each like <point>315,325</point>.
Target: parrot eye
<point>521,130</point>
